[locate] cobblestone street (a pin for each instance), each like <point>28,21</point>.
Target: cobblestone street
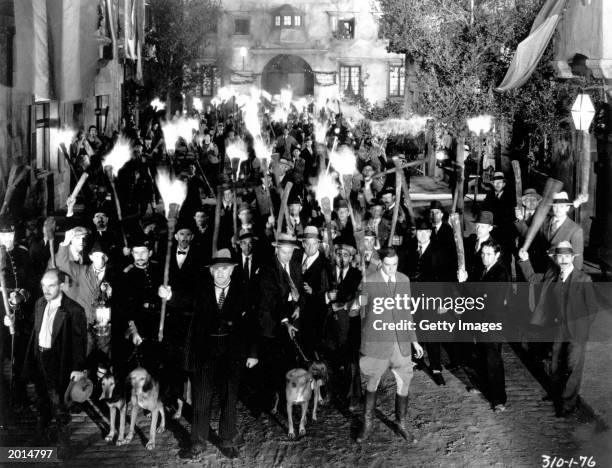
<point>452,428</point>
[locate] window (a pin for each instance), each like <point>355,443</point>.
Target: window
<point>277,20</point>
<point>287,17</point>
<point>211,81</point>
<point>397,77</point>
<point>350,80</point>
<point>344,28</point>
<point>286,20</point>
<point>297,21</point>
<point>40,135</point>
<point>242,26</point>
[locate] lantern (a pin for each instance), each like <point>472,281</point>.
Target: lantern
<point>583,112</point>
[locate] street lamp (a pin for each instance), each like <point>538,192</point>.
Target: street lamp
<point>243,54</point>
<point>583,113</point>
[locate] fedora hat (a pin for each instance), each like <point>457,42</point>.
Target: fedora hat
<point>286,162</point>
<point>223,257</point>
<point>563,247</point>
<point>422,224</point>
<point>78,391</point>
<point>369,233</point>
<point>561,198</point>
<point>345,243</point>
<point>530,192</point>
<point>311,232</point>
<point>247,234</point>
<point>498,176</point>
<point>285,239</point>
<point>484,217</point>
<point>244,206</point>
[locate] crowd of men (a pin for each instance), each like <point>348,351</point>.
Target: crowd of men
<point>239,310</point>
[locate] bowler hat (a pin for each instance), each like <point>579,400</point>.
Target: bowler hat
<point>223,257</point>
<point>98,246</point>
<point>484,217</point>
<point>422,224</point>
<point>345,243</point>
<point>436,205</point>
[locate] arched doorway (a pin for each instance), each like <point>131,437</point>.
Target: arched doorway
<point>285,70</point>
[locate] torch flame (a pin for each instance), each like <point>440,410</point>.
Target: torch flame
<point>481,123</point>
<point>64,135</point>
<point>178,128</point>
<point>156,104</point>
<point>171,189</point>
<point>327,187</point>
<point>237,150</point>
<point>343,160</point>
<point>320,131</point>
<point>262,151</point>
<point>197,104</point>
<point>119,155</point>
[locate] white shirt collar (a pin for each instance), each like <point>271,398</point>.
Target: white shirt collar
<point>423,247</point>
<point>565,275</point>
<point>386,277</point>
<point>55,303</point>
<point>310,260</point>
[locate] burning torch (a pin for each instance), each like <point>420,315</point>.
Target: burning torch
<point>113,162</point>
<point>173,192</point>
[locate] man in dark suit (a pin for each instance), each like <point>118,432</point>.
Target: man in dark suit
<point>473,243</point>
<point>281,302</point>
<point>202,235</point>
<point>226,224</point>
<point>565,309</point>
<point>495,279</point>
<point>428,263</point>
<point>56,350</point>
<point>225,335</point>
<point>559,228</point>
<point>441,231</point>
<point>315,276</point>
<point>249,261</point>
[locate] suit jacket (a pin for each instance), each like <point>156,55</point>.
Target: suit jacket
<point>183,280</point>
<point>68,340</point>
<point>234,317</point>
<point>84,287</point>
<point>432,266</point>
<point>496,283</point>
<point>568,231</point>
<point>274,291</point>
<point>576,311</point>
<point>378,343</point>
<point>445,238</point>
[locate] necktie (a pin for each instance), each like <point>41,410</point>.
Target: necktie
<point>294,292</point>
<point>305,265</point>
<point>246,267</point>
<point>221,299</point>
<point>477,246</point>
<point>420,249</point>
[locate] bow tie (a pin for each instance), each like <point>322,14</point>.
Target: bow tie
<point>181,252</point>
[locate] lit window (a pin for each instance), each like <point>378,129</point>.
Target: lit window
<point>297,20</point>
<point>397,78</point>
<point>344,28</point>
<point>277,21</point>
<point>286,20</point>
<point>211,80</point>
<point>350,80</point>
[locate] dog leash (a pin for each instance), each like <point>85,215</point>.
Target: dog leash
<point>299,350</point>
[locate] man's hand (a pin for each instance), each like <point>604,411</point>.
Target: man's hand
<point>251,362</point>
<point>518,213</point>
<point>271,221</point>
<point>523,255</point>
<point>136,339</point>
<point>296,314</point>
<point>332,295</point>
<point>165,292</point>
<point>68,236</point>
<point>582,198</point>
<point>77,375</point>
<point>418,350</point>
<point>462,276</point>
<point>106,288</point>
<point>9,320</point>
<point>291,329</point>
<point>70,202</point>
<point>126,251</point>
<point>307,288</point>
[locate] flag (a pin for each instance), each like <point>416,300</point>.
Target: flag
<point>32,48</point>
<point>530,50</point>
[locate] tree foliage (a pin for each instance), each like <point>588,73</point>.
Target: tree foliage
<point>177,31</point>
<point>461,58</point>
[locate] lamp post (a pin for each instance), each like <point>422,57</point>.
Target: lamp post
<point>583,113</point>
<point>243,54</point>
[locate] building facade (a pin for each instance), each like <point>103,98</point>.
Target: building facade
<point>64,65</point>
<point>315,47</point>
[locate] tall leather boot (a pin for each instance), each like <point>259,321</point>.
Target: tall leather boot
<point>401,410</point>
<point>368,416</point>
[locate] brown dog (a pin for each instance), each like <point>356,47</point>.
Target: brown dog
<point>145,394</point>
<point>301,384</point>
<point>113,394</point>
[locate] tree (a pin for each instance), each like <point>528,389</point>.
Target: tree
<point>177,31</point>
<point>461,55</point>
